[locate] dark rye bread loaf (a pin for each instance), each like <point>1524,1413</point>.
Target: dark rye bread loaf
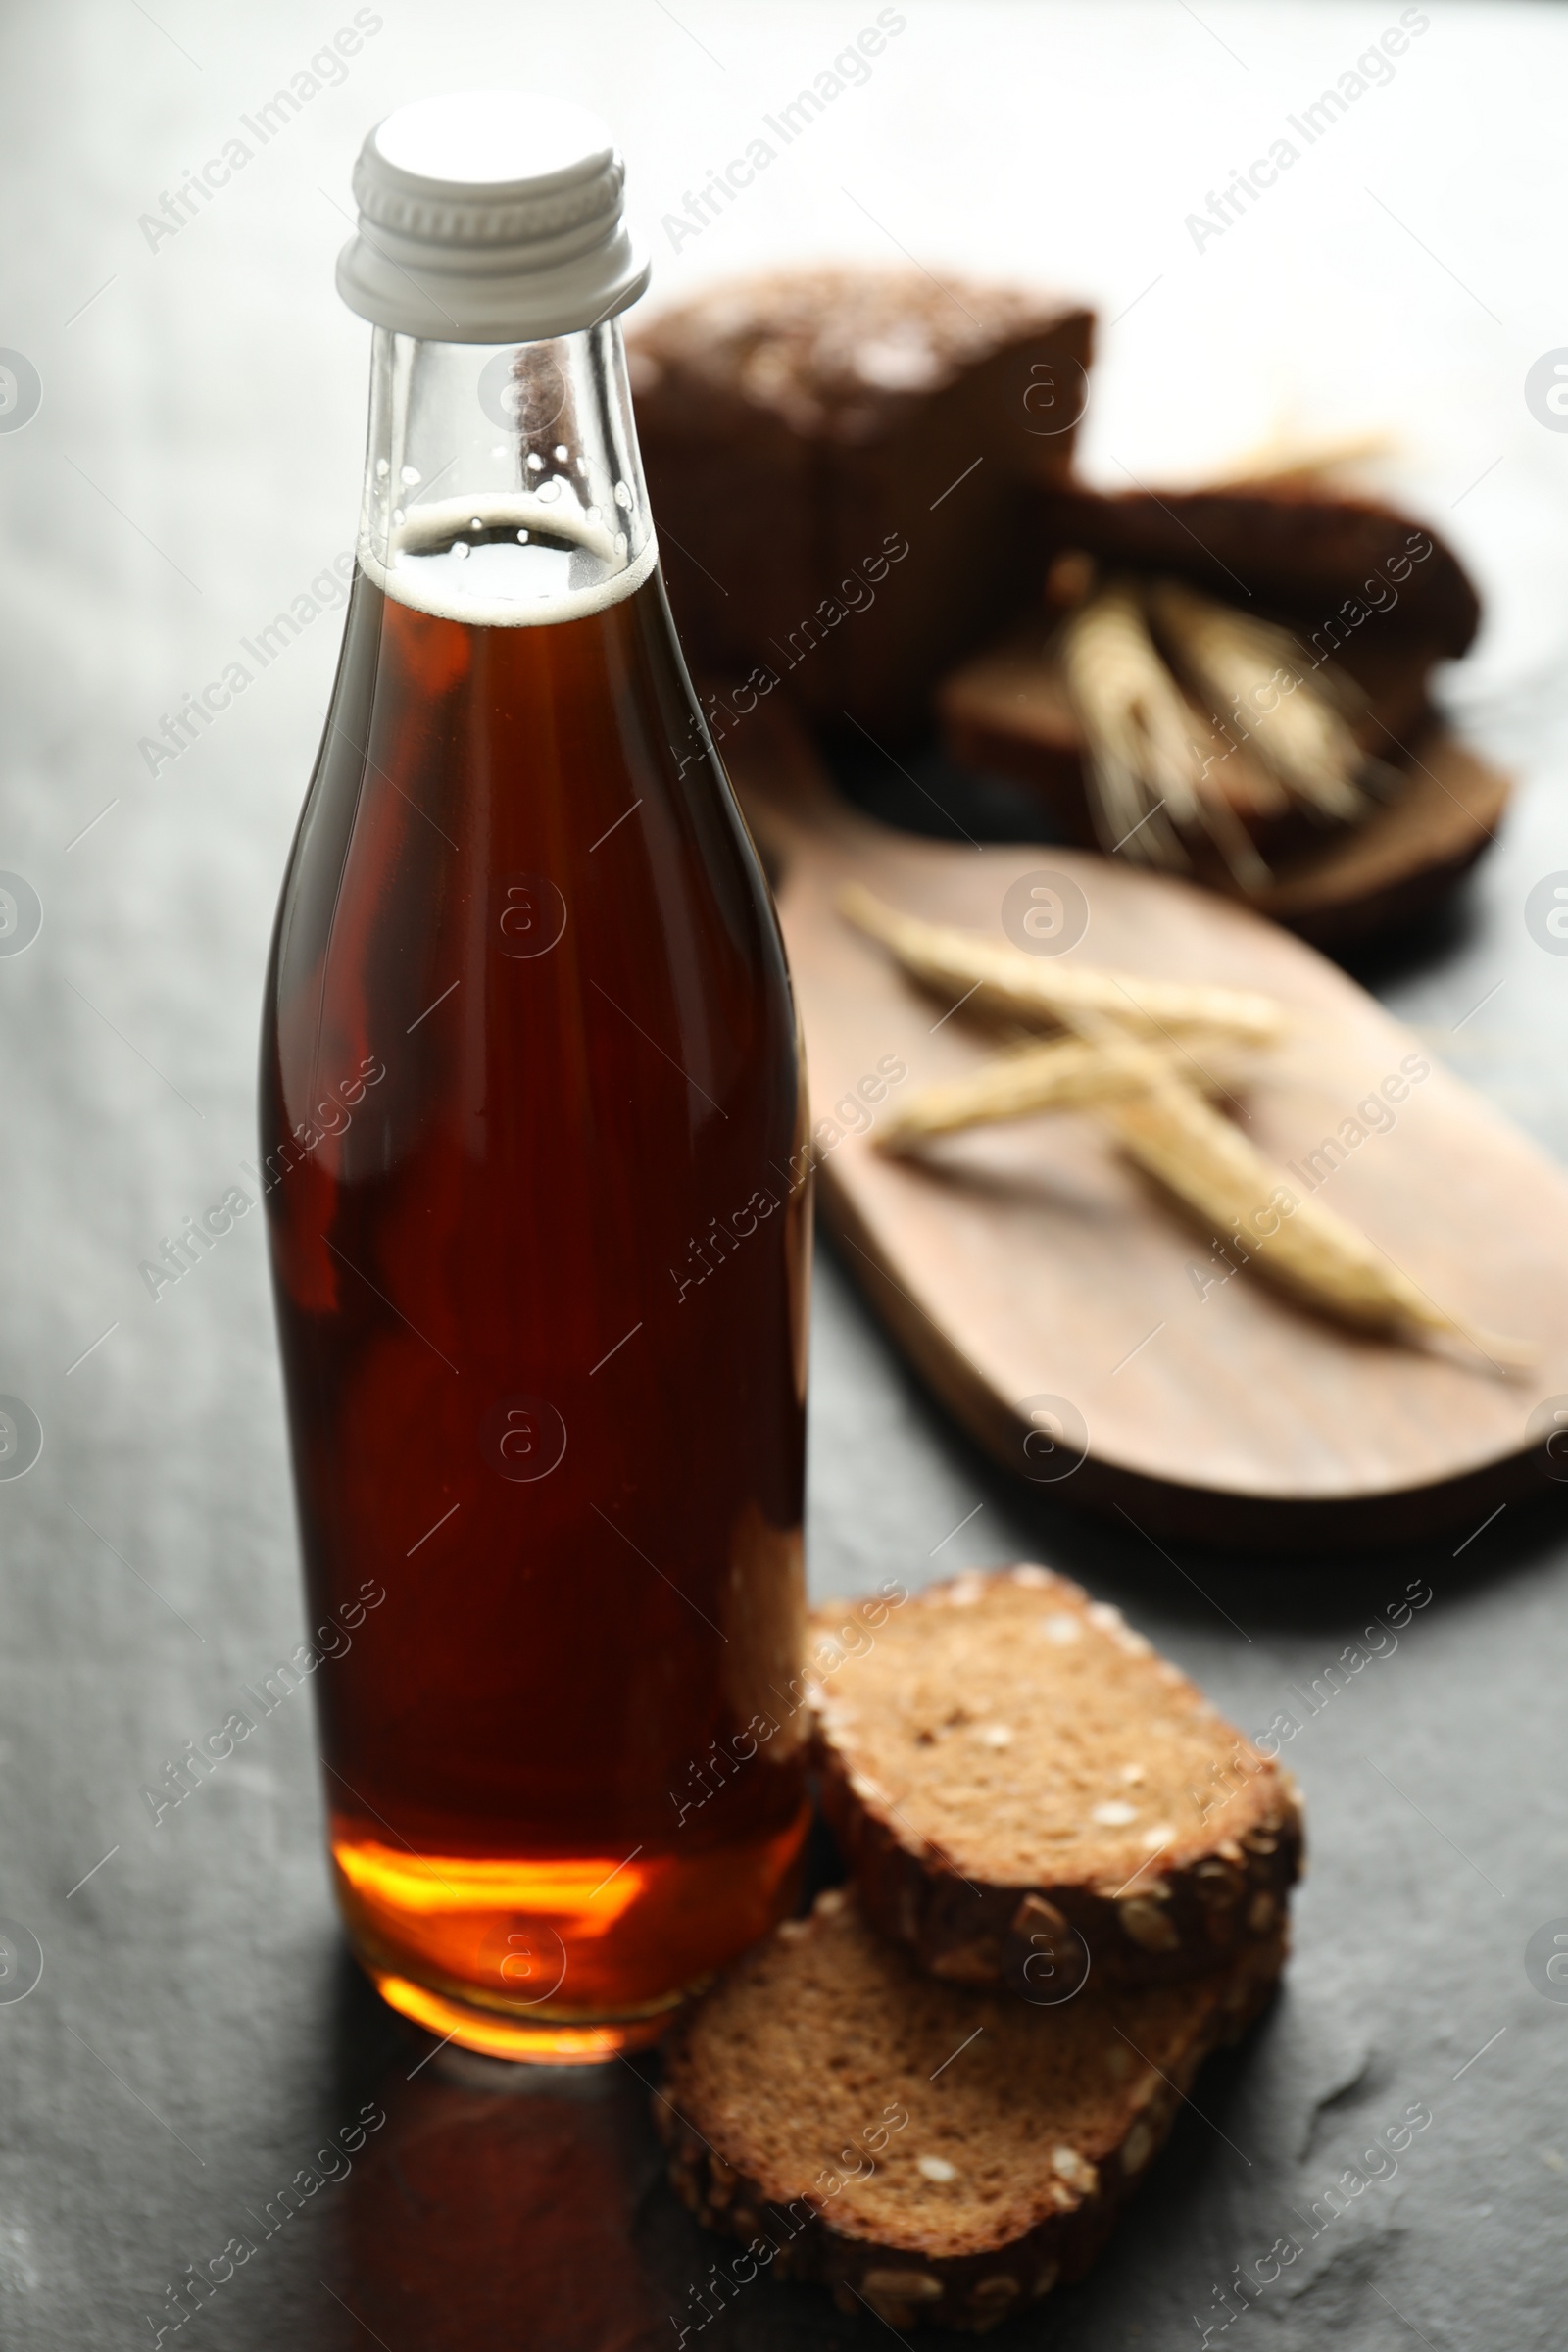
<point>934,2155</point>
<point>805,434</point>
<point>1023,1791</point>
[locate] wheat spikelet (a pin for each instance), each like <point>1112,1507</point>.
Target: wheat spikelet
<point>1261,686</point>
<point>1198,1155</point>
<point>1148,1093</point>
<point>1045,988</point>
<point>1146,755</point>
<point>1290,457</point>
<point>1149,758</point>
<point>1067,1074</point>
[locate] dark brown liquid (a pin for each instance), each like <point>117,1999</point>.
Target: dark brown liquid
<point>539,1243</point>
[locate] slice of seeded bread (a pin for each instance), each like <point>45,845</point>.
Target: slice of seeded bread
<point>932,2154</point>
<point>1025,1792</point>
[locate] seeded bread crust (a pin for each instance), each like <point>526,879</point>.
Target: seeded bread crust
<point>926,2248</point>
<point>1208,1883</point>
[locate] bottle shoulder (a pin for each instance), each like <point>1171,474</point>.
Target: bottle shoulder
<point>511,825</point>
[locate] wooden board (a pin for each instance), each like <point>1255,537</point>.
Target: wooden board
<point>1006,711</point>
<point>1029,1261</point>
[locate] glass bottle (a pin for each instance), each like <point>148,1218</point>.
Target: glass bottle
<point>533,1119</point>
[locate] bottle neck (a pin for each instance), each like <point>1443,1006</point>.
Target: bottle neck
<point>503,485</point>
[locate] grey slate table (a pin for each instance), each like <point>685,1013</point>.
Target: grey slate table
<point>197,2040</point>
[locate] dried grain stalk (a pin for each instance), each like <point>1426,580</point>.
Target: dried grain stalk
<point>1286,456</point>
<point>1135,1057</point>
<point>1265,693</point>
<point>1148,757</point>
<point>1207,1163</point>
<point>1144,754</point>
<point>1066,1074</point>
<point>1047,990</point>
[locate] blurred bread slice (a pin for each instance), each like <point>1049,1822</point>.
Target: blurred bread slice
<point>1336,566</point>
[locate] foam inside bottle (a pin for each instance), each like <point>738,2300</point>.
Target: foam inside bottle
<point>503,488</point>
<point>505,561</point>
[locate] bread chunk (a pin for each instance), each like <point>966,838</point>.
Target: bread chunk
<point>844,463</point>
<point>1025,1792</point>
<point>1333,564</point>
<point>935,2155</point>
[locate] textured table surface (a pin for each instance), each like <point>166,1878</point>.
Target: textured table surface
<point>197,2040</point>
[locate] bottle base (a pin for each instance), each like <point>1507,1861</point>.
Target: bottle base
<point>488,1951</point>
<point>538,2042</point>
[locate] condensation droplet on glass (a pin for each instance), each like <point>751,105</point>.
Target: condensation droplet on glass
<point>536,463</point>
<point>459,547</point>
<point>522,538</point>
<point>595,514</point>
<point>410,474</point>
<point>476,525</point>
<point>621,542</point>
<point>549,491</point>
<point>622,495</point>
<point>382,468</point>
<point>398,514</point>
<point>561,453</point>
